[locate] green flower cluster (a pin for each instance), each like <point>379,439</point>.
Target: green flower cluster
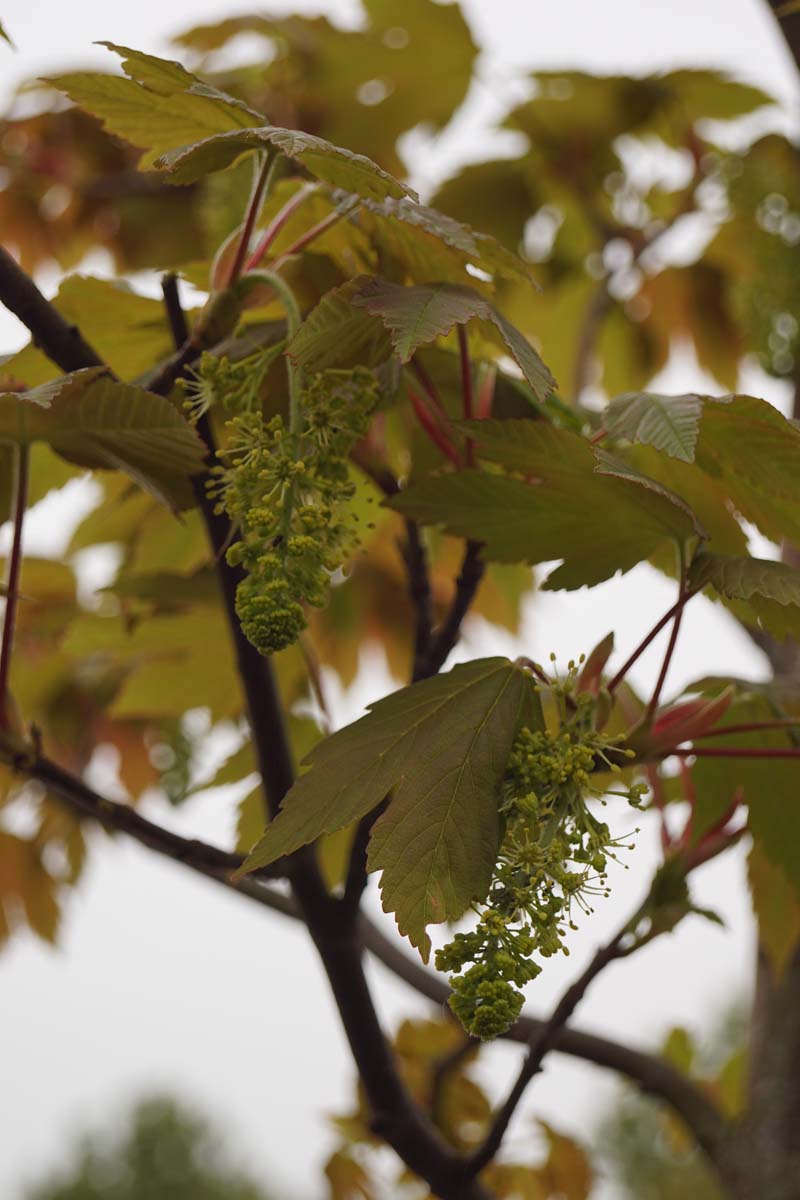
<point>553,855</point>
<point>288,494</point>
<point>232,385</point>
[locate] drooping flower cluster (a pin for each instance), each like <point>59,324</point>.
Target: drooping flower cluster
<point>288,495</point>
<point>553,856</point>
<point>232,385</point>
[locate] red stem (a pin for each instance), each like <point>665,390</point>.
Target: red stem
<point>434,431</point>
<point>654,632</point>
<point>750,727</point>
<point>277,223</point>
<point>429,386</point>
<point>466,389</point>
<point>12,594</point>
<point>253,209</point>
<point>733,752</point>
<point>309,236</point>
<point>673,639</point>
<point>483,407</point>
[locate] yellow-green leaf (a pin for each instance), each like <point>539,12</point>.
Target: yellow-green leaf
<point>158,106</point>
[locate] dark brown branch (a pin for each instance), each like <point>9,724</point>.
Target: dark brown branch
<point>467,584</point>
<point>356,880</point>
<point>175,314</point>
<point>545,1040</point>
<point>651,1074</point>
<point>789,27</point>
<point>20,493</point>
<point>115,817</point>
<point>56,337</point>
<point>419,589</point>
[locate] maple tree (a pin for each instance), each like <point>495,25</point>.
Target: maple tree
<point>373,427</point>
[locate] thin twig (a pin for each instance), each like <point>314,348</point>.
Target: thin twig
<point>750,727</point>
<point>277,223</point>
<point>356,879</point>
<point>545,1040</point>
<point>429,387</point>
<point>263,179</point>
<point>55,336</point>
<point>310,235</point>
<point>176,317</point>
<point>419,588</point>
<point>116,817</point>
<point>671,644</point>
<point>467,398</point>
<point>472,571</point>
<point>432,428</point>
<point>732,752</point>
<point>20,493</point>
<point>649,637</point>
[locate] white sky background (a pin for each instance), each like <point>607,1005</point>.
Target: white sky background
<point>164,981</point>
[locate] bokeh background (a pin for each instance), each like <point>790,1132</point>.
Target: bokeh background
<point>161,982</point>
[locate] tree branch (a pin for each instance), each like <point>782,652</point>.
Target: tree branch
<point>419,589</point>
<point>653,1075</point>
<point>51,333</point>
<point>20,491</point>
<point>121,818</point>
<point>790,28</point>
<point>467,584</point>
<point>175,314</point>
<point>545,1039</point>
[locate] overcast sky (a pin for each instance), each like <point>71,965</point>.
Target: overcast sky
<point>163,980</point>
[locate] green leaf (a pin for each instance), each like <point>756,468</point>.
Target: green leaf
<point>563,509</point>
<point>417,315</point>
<point>705,497</point>
<point>769,787</point>
<point>158,107</point>
<point>741,578</point>
<point>669,423</point>
<point>440,747</point>
<point>754,452</point>
<point>333,165</point>
<point>93,420</point>
<point>714,95</point>
<point>420,51</point>
<point>743,443</point>
<point>419,228</point>
<point>336,333</point>
<point>772,589</point>
<point>5,37</point>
